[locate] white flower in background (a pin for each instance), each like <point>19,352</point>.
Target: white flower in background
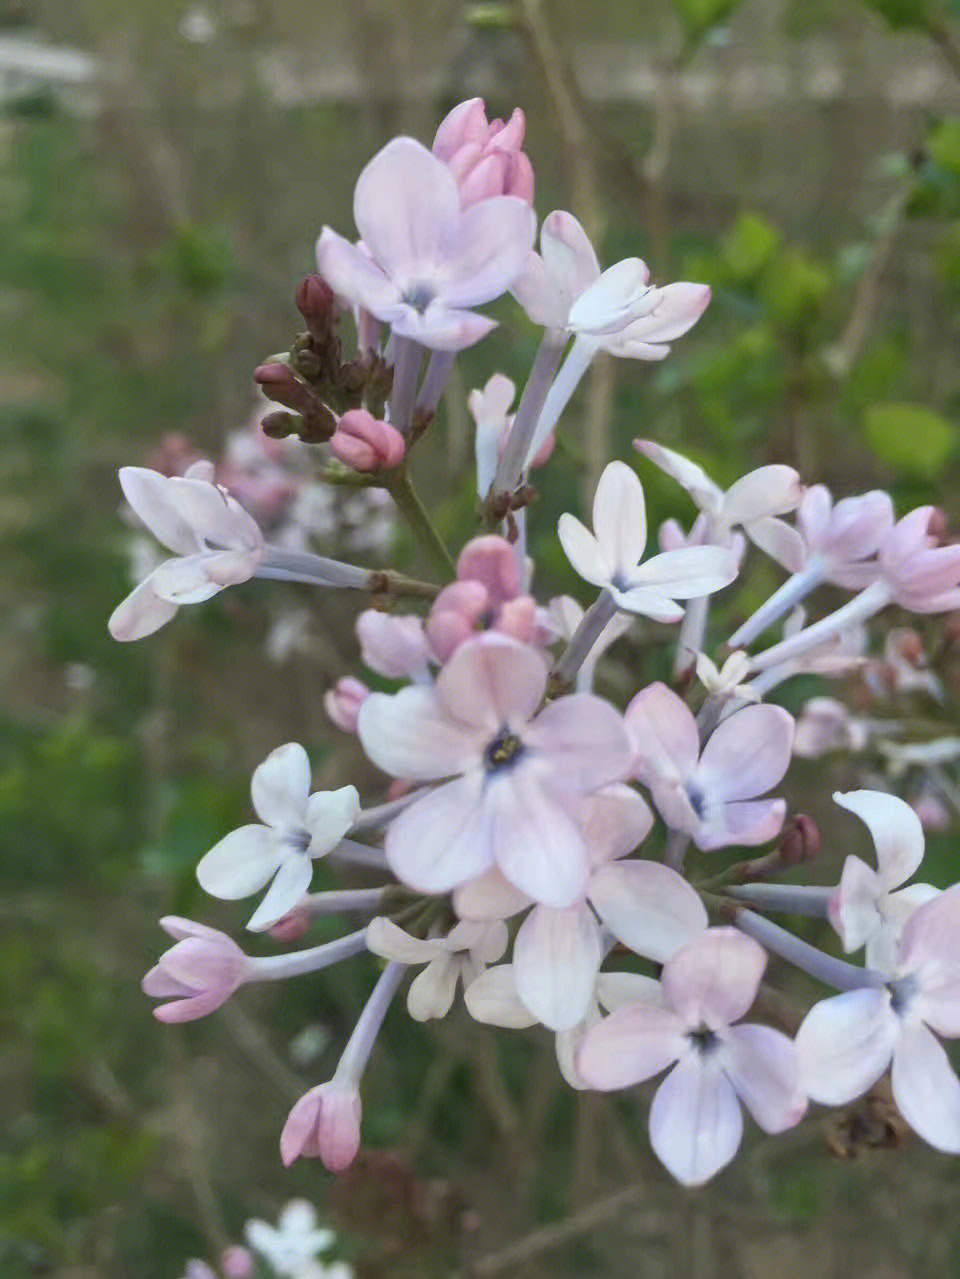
<point>291,1246</point>
<point>462,955</point>
<point>216,544</point>
<point>298,827</point>
<point>729,678</point>
<point>609,557</point>
<point>865,910</point>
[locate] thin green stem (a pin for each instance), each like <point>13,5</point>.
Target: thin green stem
<point>408,503</point>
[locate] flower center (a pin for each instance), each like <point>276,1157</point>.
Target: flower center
<point>704,1040</point>
<point>419,296</point>
<point>503,750</point>
<point>902,992</point>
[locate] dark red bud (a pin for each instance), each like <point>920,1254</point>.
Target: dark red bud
<point>316,303</point>
<point>801,841</point>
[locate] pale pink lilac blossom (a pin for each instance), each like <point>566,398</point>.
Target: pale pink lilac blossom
<point>715,1064</point>
<point>609,557</point>
<point>870,907</point>
<point>513,770</point>
<point>426,261</point>
<point>295,828</point>
<point>847,1042</point>
<point>490,410</point>
<point>216,544</point>
<point>198,974</point>
<point>487,595</point>
<point>711,795</point>
<point>294,1241</point>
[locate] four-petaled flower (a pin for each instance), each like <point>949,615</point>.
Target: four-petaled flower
<point>293,1242</point>
<point>711,794</point>
<point>425,260</point>
<point>462,955</point>
<point>216,542</point>
<point>695,1121</point>
<point>610,556</point>
<point>514,771</point>
<point>296,827</point>
<point>865,910</point>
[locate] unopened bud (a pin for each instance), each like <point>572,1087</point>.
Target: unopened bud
<point>910,647</point>
<point>938,526</point>
<point>292,926</point>
<point>364,443</point>
<point>279,383</point>
<point>316,303</point>
<point>342,702</point>
<point>800,842</point>
<point>279,425</point>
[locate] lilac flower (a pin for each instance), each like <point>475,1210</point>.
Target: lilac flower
<point>826,725</point>
<point>695,1121</point>
<point>512,771</point>
<point>297,827</point>
<point>216,542</point>
<point>462,955</point>
<point>609,557</point>
<point>486,596</point>
<point>711,795</point>
<point>769,490</point>
<point>486,158</point>
<point>617,310</point>
<point>392,644</point>
<point>846,1042</point>
<point>425,260</point>
<point>865,910</point>
<point>198,974</point>
<point>293,1242</point>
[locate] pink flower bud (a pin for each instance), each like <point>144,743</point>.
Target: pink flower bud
<point>199,973</point>
<point>364,443</point>
<point>292,926</point>
<point>801,841</point>
<point>487,159</point>
<point>454,616</point>
<point>324,1124</point>
<point>342,702</point>
<point>281,385</point>
<point>518,618</point>
<point>391,645</point>
<point>491,561</point>
<point>237,1262</point>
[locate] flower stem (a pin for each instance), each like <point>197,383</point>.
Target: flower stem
<point>282,565</point>
<point>360,1044</point>
<point>278,967</point>
<point>407,358</point>
<point>871,600</point>
<point>832,972</point>
<point>511,466</point>
<point>413,510</point>
<point>791,899</point>
<point>434,381</point>
<point>600,612</point>
<point>793,590</point>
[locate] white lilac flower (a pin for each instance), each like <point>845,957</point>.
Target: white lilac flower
<point>609,557</point>
<point>847,1042</point>
<point>714,1064</point>
<point>462,955</point>
<point>291,1246</point>
<point>295,828</point>
<point>870,907</point>
<point>216,544</point>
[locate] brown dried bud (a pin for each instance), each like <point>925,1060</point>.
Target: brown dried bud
<point>800,842</point>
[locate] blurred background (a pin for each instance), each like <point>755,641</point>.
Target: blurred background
<point>164,172</point>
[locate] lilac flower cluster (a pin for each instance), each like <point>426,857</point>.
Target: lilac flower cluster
<point>534,847</point>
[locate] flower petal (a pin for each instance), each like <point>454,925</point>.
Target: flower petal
<point>443,839</point>
<point>664,734</point>
<point>854,907</point>
<point>614,821</point>
<point>926,1088</point>
<point>707,495</point>
<point>389,941</point>
<point>713,980</point>
<point>769,490</point>
<point>583,551</point>
<point>492,998</point>
<point>763,1067</point>
<point>648,907</point>
<point>140,614</point>
<point>749,752</point>
<point>488,250</point>
<point>695,1122</point>
<point>280,786</point>
<point>492,682</point>
<point>747,822</point>
<point>289,884</point>
<point>845,1044</point>
<point>240,864</point>
<point>896,831</point>
<point>582,742</point>
<point>632,1044</point>
<point>489,896</point>
<point>410,734</point>
<point>330,814</point>
<point>620,518</point>
<point>688,573</point>
<point>148,494</point>
<point>354,276</point>
<point>539,848</point>
<point>556,958</point>
<point>431,992</point>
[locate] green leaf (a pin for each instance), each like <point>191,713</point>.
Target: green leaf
<point>699,16</point>
<point>749,244</point>
<point>911,437</point>
<point>943,145</point>
<point>902,13</point>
